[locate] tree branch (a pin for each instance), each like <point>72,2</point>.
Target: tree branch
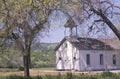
<point>108,22</point>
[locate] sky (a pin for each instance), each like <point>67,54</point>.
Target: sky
<point>56,32</point>
<point>55,35</point>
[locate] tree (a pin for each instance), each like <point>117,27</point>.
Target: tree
<point>104,10</point>
<point>21,22</point>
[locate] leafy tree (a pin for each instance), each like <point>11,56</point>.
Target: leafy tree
<point>21,21</point>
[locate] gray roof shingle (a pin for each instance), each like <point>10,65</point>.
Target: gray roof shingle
<point>86,43</point>
<point>90,44</point>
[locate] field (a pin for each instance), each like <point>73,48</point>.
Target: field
<point>38,71</point>
<point>46,71</point>
<point>33,72</point>
<point>51,74</point>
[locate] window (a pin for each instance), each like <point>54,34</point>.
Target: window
<point>88,59</point>
<point>66,45</point>
<point>114,59</point>
<point>74,58</point>
<point>60,58</point>
<point>101,59</point>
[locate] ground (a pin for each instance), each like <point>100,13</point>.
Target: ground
<point>35,72</point>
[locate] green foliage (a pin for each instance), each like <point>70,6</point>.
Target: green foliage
<point>7,70</point>
<point>15,77</point>
<point>42,55</point>
<point>2,77</point>
<point>18,77</point>
<point>10,59</point>
<point>104,75</point>
<point>21,68</point>
<point>69,76</point>
<point>37,77</point>
<point>43,58</point>
<point>110,75</point>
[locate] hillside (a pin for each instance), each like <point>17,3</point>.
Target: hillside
<point>43,46</point>
<point>42,55</point>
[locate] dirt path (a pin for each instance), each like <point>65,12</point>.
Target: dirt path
<point>34,72</point>
<point>38,72</point>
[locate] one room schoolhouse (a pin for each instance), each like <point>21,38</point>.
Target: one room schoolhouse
<point>82,53</point>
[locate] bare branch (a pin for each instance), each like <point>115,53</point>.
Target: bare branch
<point>110,3</point>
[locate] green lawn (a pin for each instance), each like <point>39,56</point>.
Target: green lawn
<point>44,68</point>
<point>16,69</point>
<point>2,77</point>
<point>104,75</point>
<point>8,69</point>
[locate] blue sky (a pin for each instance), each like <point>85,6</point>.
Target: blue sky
<point>56,32</point>
<point>54,35</point>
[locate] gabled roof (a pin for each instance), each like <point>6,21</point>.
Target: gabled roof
<point>70,23</point>
<point>86,43</point>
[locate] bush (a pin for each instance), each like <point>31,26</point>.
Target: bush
<point>2,77</point>
<point>59,76</point>
<point>37,77</point>
<point>108,74</point>
<point>69,76</point>
<point>19,77</point>
<point>15,77</point>
<point>21,68</point>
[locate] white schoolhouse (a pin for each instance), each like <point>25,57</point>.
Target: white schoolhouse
<point>82,54</point>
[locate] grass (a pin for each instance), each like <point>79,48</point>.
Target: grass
<point>44,68</point>
<point>3,77</point>
<point>16,69</point>
<point>104,75</point>
<point>8,69</point>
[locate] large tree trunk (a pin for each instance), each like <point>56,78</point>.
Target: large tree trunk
<point>108,22</point>
<point>29,58</point>
<point>26,60</point>
<point>26,65</point>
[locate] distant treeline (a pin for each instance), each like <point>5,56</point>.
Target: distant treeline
<point>42,55</point>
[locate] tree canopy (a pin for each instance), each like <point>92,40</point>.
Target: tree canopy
<point>22,20</point>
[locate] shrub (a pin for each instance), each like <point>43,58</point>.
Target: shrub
<point>17,77</point>
<point>37,77</point>
<point>21,68</point>
<point>87,77</point>
<point>59,76</point>
<point>2,77</point>
<point>69,76</point>
<point>108,74</point>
